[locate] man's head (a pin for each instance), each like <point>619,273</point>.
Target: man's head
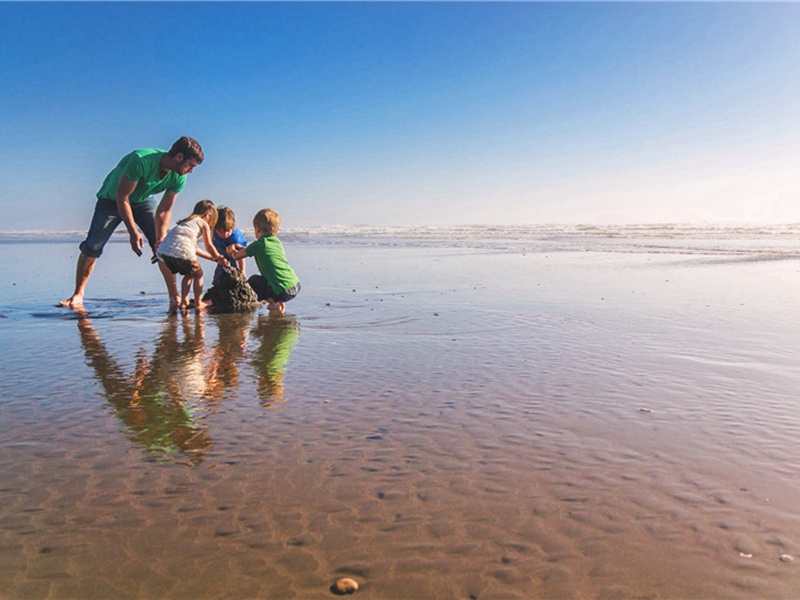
<point>186,154</point>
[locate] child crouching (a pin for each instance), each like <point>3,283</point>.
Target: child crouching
<point>277,283</point>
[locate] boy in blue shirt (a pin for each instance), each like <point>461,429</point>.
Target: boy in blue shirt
<point>226,237</point>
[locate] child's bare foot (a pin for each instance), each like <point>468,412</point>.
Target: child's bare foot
<point>204,305</point>
<point>74,301</point>
<point>279,307</point>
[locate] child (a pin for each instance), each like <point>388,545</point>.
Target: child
<point>178,253</point>
<point>226,235</point>
<point>277,283</point>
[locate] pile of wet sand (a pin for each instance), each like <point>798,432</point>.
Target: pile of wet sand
<point>231,292</point>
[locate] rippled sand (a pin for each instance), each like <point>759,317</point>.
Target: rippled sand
<point>431,422</point>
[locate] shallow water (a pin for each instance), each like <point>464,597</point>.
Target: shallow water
<point>434,421</point>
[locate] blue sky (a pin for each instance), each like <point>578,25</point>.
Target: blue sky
<point>410,113</point>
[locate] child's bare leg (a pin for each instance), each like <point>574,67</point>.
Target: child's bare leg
<point>172,285</point>
<point>186,285</point>
<point>198,290</point>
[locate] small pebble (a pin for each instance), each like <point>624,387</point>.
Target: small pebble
<point>787,558</point>
<point>345,586</point>
<point>645,410</point>
<point>745,555</point>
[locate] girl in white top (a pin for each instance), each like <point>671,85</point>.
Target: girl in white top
<point>178,253</point>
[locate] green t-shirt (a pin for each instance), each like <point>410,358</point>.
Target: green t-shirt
<point>272,263</point>
<point>142,166</point>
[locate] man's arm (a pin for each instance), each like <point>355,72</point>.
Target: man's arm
<point>124,190</point>
<point>164,214</point>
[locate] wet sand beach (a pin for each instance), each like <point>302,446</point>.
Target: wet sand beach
<point>433,420</point>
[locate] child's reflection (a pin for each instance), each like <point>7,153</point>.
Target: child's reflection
<point>223,370</point>
<point>277,335</point>
<point>156,402</point>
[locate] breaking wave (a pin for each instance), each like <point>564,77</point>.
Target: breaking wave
<point>761,241</point>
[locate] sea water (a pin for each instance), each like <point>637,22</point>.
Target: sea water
<point>549,411</point>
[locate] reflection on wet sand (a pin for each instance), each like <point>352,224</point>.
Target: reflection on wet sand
<point>164,399</point>
<point>156,401</point>
<point>222,373</point>
<point>277,336</point>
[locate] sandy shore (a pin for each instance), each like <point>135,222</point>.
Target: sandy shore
<point>440,423</point>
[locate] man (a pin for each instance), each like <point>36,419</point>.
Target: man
<point>126,196</point>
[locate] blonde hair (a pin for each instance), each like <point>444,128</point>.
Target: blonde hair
<point>226,220</point>
<point>267,221</point>
<point>201,210</point>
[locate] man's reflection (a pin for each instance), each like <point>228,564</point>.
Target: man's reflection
<point>156,402</point>
<point>277,335</point>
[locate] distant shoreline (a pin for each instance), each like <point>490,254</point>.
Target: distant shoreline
<point>750,241</point>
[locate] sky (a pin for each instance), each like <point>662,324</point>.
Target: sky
<point>409,113</point>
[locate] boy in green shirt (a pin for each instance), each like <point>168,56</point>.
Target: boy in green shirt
<point>277,282</point>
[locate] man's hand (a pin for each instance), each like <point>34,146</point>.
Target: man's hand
<point>137,243</point>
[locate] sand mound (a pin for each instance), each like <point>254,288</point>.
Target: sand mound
<point>231,292</point>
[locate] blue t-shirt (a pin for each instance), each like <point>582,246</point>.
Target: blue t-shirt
<point>237,237</point>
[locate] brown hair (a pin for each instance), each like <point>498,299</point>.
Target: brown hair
<point>225,218</point>
<point>267,221</point>
<point>188,147</point>
<point>201,209</point>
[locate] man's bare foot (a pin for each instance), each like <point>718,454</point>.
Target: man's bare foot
<point>74,301</point>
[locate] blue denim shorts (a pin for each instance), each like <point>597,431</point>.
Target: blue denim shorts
<point>106,219</point>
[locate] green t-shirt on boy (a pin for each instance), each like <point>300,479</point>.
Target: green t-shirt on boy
<point>143,167</point>
<point>272,263</point>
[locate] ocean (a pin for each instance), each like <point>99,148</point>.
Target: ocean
<point>479,412</point>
